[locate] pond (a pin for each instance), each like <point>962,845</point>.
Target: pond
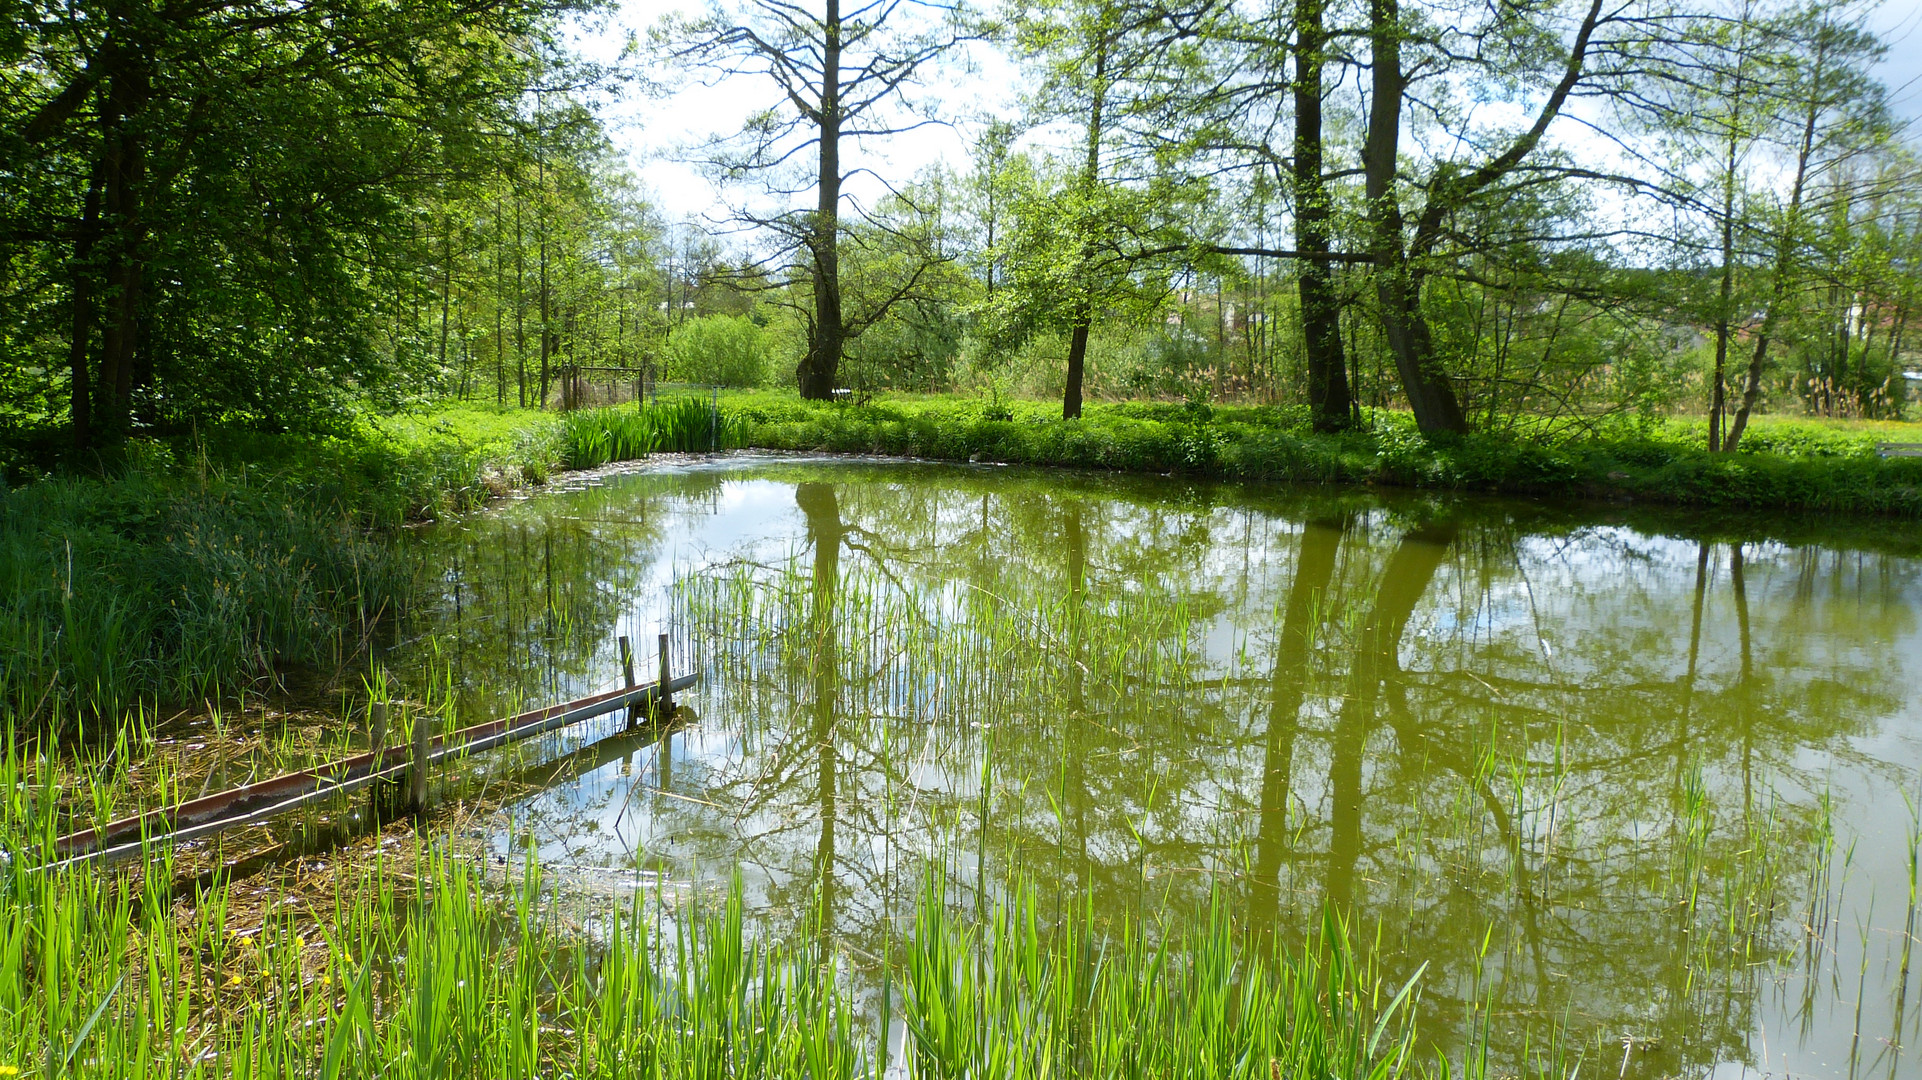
<point>1641,782</point>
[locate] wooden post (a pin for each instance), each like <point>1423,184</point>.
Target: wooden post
<point>423,730</point>
<point>627,671</point>
<point>378,739</point>
<point>377,736</point>
<point>664,701</point>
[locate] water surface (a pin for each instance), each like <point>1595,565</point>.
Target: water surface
<point>1605,772</point>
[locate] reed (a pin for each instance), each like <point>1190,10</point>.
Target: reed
<point>592,437</point>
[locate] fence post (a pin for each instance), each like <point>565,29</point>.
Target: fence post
<point>423,730</point>
<point>627,671</point>
<point>663,698</point>
<point>377,713</point>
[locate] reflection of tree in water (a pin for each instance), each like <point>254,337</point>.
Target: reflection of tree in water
<point>1561,740</point>
<point>825,532</point>
<point>1606,825</point>
<point>528,601</point>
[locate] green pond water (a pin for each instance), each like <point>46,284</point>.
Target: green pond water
<point>1606,774</point>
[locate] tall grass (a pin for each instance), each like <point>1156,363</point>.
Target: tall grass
<point>177,588</point>
<point>196,567</point>
<point>594,437</point>
<point>437,971</point>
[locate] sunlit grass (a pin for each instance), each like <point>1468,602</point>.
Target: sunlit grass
<point>146,588</point>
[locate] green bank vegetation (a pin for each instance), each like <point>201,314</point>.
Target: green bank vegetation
<point>1798,466</point>
<point>432,968</point>
<point>1801,467</point>
<point>202,568</point>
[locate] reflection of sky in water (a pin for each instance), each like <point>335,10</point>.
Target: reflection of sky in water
<point>1580,632</point>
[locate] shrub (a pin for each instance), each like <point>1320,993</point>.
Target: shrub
<point>723,350</point>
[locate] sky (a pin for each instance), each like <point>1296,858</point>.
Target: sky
<point>652,130</point>
<point>1899,22</point>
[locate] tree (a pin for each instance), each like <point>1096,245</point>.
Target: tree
<point>208,194</point>
<point>1330,405</point>
<point>904,262</point>
<point>841,75</point>
<point>728,350</point>
<point>1400,255</point>
<point>1088,238</point>
<point>1837,111</point>
<point>1716,112</point>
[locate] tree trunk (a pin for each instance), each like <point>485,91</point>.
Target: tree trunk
<point>83,311</point>
<point>1077,365</point>
<point>1084,303</point>
<point>1784,255</point>
<point>547,329</point>
<point>827,333</point>
<point>1397,286</point>
<point>500,293</point>
<point>126,172</point>
<point>447,293</point>
<point>1725,312</point>
<point>1331,406</point>
<point>520,303</point>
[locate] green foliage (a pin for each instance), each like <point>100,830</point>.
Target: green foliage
<point>440,972</point>
<point>295,174</point>
<point>203,566</point>
<point>720,350</point>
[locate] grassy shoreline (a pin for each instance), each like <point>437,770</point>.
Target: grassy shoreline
<point>1786,465</point>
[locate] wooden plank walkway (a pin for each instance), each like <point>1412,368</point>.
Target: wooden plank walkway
<point>131,836</point>
<point>1898,449</point>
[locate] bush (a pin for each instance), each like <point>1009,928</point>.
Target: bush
<point>722,350</point>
